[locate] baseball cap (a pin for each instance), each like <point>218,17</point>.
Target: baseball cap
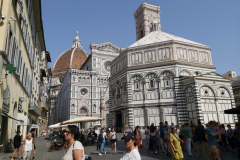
<point>237,124</point>
<point>129,135</point>
<point>211,122</point>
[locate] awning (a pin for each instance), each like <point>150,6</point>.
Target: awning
<point>232,111</point>
<point>82,119</point>
<point>9,116</point>
<point>24,119</point>
<point>34,126</point>
<point>58,125</point>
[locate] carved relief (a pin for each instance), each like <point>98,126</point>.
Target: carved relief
<point>164,53</point>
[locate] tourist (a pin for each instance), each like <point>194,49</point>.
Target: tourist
<point>188,136</point>
<point>17,144</point>
<point>131,152</point>
<point>161,136</point>
<point>127,130</point>
<point>138,138</point>
<point>153,145</point>
<point>193,140</point>
<point>74,150</point>
<point>223,136</point>
<point>176,149</point>
<point>166,140</point>
<point>182,137</point>
<point>147,136</point>
<point>33,136</point>
<point>27,147</point>
<point>102,137</point>
<point>200,138</point>
<point>230,138</point>
<point>113,137</point>
<point>212,141</point>
<point>236,134</point>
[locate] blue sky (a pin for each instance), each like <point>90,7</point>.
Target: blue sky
<point>214,23</point>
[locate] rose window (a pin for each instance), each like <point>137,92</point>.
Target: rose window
<point>83,91</point>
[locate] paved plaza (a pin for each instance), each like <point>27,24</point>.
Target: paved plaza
<point>44,154</point>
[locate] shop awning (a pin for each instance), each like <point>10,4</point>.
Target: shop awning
<point>34,126</point>
<point>232,111</point>
<point>10,116</point>
<point>24,121</point>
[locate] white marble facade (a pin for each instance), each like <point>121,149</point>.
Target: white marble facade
<point>93,76</point>
<point>164,77</point>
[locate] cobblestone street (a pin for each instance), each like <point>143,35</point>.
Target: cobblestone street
<point>44,154</point>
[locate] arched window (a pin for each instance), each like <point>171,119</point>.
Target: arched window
<point>137,85</point>
<point>167,82</point>
<point>151,83</point>
<point>94,108</point>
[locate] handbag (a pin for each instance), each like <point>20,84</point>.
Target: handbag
<point>141,146</point>
<point>87,157</point>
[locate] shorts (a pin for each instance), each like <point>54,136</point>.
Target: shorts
<point>113,140</point>
<point>213,149</point>
<point>34,146</point>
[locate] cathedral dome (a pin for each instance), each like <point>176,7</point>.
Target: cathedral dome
<point>71,58</point>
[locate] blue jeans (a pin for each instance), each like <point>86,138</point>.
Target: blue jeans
<point>103,145</point>
<point>238,149</point>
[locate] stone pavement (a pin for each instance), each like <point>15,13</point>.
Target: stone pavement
<point>44,154</point>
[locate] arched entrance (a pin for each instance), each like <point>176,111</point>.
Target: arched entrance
<point>83,112</point>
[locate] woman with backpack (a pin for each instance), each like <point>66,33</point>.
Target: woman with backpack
<point>102,137</point>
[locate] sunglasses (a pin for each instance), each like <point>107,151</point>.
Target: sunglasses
<point>67,132</point>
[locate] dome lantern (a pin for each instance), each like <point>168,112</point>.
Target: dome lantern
<point>77,42</point>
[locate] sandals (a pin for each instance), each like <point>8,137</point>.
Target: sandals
<point>114,152</point>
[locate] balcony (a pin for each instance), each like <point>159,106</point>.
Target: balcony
<point>33,109</point>
<point>44,105</point>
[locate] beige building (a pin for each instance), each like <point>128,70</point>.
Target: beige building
<point>22,43</point>
<point>230,74</point>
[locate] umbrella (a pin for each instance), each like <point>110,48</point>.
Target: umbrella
<point>82,119</point>
<point>232,111</point>
<point>58,125</point>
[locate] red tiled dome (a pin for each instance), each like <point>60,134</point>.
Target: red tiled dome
<point>71,58</point>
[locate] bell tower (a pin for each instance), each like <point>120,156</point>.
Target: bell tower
<point>147,19</point>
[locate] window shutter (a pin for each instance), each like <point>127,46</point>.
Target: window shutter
<point>26,76</point>
<point>30,87</point>
<point>8,36</point>
<point>11,48</point>
<point>33,57</point>
<point>20,62</point>
<point>23,75</point>
<point>15,56</point>
<point>26,32</point>
<point>17,60</point>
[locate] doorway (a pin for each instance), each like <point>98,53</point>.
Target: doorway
<point>119,121</point>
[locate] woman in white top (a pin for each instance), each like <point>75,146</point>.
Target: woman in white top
<point>131,152</point>
<point>74,150</point>
<point>28,146</point>
<point>113,137</point>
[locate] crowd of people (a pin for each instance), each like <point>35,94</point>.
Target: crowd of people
<point>209,141</point>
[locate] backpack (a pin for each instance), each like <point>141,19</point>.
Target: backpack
<point>100,137</point>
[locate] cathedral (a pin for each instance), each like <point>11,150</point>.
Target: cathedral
<point>79,85</point>
<point>161,77</point>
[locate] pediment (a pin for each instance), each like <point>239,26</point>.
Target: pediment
<point>212,75</point>
<point>107,46</point>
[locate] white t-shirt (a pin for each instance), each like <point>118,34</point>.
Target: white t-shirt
<point>104,134</point>
<point>133,155</point>
<point>69,154</point>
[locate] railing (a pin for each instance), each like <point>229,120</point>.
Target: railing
<point>34,109</point>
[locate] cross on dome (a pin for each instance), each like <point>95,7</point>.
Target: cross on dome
<point>77,42</point>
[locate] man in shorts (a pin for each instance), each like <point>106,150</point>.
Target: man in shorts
<point>213,141</point>
<point>34,151</point>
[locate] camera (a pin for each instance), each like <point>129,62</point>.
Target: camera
<point>3,17</point>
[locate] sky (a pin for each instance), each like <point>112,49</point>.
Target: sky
<point>214,23</point>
